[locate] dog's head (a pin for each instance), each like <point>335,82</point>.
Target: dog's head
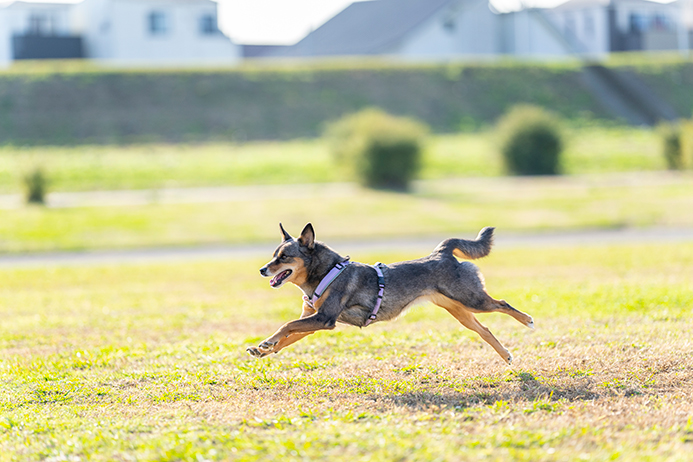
<point>291,258</point>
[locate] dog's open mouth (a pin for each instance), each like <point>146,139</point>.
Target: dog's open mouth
<point>280,278</point>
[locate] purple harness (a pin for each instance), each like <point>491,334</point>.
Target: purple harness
<point>336,271</point>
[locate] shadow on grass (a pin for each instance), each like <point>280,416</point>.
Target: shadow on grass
<point>520,386</point>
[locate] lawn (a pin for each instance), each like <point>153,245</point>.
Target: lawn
<point>589,149</point>
<point>148,362</point>
<point>457,207</point>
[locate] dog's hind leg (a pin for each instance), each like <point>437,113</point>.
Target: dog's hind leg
<point>490,304</point>
<point>466,286</point>
<point>468,320</point>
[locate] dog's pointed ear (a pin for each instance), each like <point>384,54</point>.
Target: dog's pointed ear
<point>285,235</point>
<point>307,238</point>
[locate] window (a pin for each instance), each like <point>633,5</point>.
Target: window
<point>661,22</point>
<point>158,23</point>
<point>40,24</point>
<point>208,24</point>
<point>638,22</point>
<point>449,25</point>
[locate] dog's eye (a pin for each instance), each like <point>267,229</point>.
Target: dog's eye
<point>283,258</point>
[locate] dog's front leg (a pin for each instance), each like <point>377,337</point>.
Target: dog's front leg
<point>307,325</point>
<point>293,338</point>
<point>286,341</point>
<point>324,318</point>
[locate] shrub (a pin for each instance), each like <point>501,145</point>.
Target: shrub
<point>671,144</point>
<point>382,150</point>
<point>35,186</point>
<point>530,141</point>
<point>687,143</point>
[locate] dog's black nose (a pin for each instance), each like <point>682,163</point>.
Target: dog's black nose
<point>263,271</point>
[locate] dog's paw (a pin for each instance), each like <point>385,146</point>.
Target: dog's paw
<point>267,346</point>
<point>509,359</point>
<point>530,324</point>
<point>252,351</point>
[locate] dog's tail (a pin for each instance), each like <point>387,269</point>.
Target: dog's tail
<point>471,250</point>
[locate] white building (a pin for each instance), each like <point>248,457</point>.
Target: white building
<point>32,21</point>
<point>455,29</point>
<point>604,26</point>
<point>530,33</point>
<point>140,32</point>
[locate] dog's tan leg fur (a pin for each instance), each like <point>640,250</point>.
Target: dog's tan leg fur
<point>468,320</point>
<point>293,338</point>
<point>501,306</point>
<point>297,329</point>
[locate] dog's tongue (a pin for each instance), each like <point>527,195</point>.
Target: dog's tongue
<point>275,280</point>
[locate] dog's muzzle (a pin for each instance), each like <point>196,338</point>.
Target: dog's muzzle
<point>263,271</point>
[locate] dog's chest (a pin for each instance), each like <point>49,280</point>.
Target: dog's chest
<point>354,316</point>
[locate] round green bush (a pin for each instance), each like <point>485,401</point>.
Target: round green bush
<point>382,150</point>
<point>35,186</point>
<point>530,140</point>
<point>671,134</point>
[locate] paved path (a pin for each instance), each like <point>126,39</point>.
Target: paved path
<point>420,245</point>
<point>259,192</point>
<point>139,197</point>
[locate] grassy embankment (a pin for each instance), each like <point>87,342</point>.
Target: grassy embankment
<point>75,103</point>
<point>147,362</point>
<point>80,103</point>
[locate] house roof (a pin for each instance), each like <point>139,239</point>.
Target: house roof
<point>260,51</point>
<point>366,27</point>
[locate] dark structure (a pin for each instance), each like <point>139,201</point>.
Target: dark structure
<point>30,46</point>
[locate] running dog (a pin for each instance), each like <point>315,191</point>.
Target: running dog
<point>336,290</point>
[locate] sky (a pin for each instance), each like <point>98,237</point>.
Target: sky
<point>274,21</point>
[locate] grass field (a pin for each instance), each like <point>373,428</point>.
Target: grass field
<point>589,149</point>
<point>458,207</point>
<point>148,362</point>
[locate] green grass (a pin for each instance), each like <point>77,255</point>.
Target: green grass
<point>590,149</point>
<point>147,362</point>
<point>85,168</point>
<point>458,207</point>
<point>43,68</point>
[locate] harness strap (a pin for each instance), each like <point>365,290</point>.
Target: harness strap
<point>381,291</point>
<point>336,271</point>
<point>326,281</point>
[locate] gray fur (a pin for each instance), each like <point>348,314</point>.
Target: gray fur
<point>439,277</point>
<point>353,294</point>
